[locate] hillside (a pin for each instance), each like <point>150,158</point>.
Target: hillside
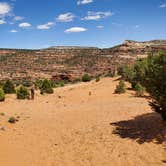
<point>72,62</point>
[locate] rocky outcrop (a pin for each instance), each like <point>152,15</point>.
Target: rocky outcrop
<point>72,62</point>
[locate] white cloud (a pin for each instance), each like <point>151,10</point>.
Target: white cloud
<point>13,31</point>
<point>18,18</point>
<point>2,22</point>
<point>75,30</point>
<point>45,26</point>
<point>97,15</point>
<point>84,2</point>
<point>100,26</point>
<point>5,9</point>
<point>25,25</point>
<point>67,17</point>
<point>163,5</point>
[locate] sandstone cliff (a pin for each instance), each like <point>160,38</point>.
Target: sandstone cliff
<point>72,62</point>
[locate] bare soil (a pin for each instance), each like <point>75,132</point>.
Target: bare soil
<point>82,125</point>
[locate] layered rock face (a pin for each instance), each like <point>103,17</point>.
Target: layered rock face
<point>72,62</point>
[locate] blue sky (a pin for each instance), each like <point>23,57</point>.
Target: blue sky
<point>101,23</point>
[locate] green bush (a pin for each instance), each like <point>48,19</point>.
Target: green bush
<point>12,120</point>
<point>140,90</point>
<point>1,84</point>
<point>2,95</point>
<point>86,78</point>
<point>155,82</point>
<point>97,79</point>
<point>8,87</point>
<point>61,84</point>
<point>127,72</point>
<point>22,93</point>
<point>46,87</point>
<point>151,73</point>
<point>121,87</point>
<point>38,84</point>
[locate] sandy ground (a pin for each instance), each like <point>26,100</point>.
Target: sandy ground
<point>82,125</point>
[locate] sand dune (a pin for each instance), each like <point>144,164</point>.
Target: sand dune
<point>82,125</point>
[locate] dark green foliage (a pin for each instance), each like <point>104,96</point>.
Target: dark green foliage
<point>22,93</point>
<point>56,84</point>
<point>127,73</point>
<point>2,95</point>
<point>140,90</point>
<point>134,73</point>
<point>38,84</point>
<point>155,82</point>
<point>8,87</point>
<point>151,73</point>
<point>97,79</point>
<point>86,78</point>
<point>121,87</point>
<point>61,84</point>
<point>46,87</point>
<point>12,120</point>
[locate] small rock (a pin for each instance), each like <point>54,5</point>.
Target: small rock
<point>2,128</point>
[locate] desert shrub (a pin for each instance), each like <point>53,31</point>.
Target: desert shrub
<point>12,119</point>
<point>2,95</point>
<point>140,70</point>
<point>46,87</point>
<point>140,90</point>
<point>134,73</point>
<point>56,84</point>
<point>61,83</point>
<point>155,82</point>
<point>38,84</point>
<point>22,93</point>
<point>127,72</point>
<point>97,79</point>
<point>86,78</point>
<point>8,87</point>
<point>121,87</point>
<point>1,84</point>
<point>2,114</point>
<point>150,72</point>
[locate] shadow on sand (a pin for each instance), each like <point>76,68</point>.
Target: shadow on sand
<point>144,128</point>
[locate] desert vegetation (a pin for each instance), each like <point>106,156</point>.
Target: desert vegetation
<point>22,93</point>
<point>149,73</point>
<point>8,87</point>
<point>2,95</point>
<point>121,87</point>
<point>86,78</point>
<point>46,87</point>
<point>12,120</point>
<point>140,90</point>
